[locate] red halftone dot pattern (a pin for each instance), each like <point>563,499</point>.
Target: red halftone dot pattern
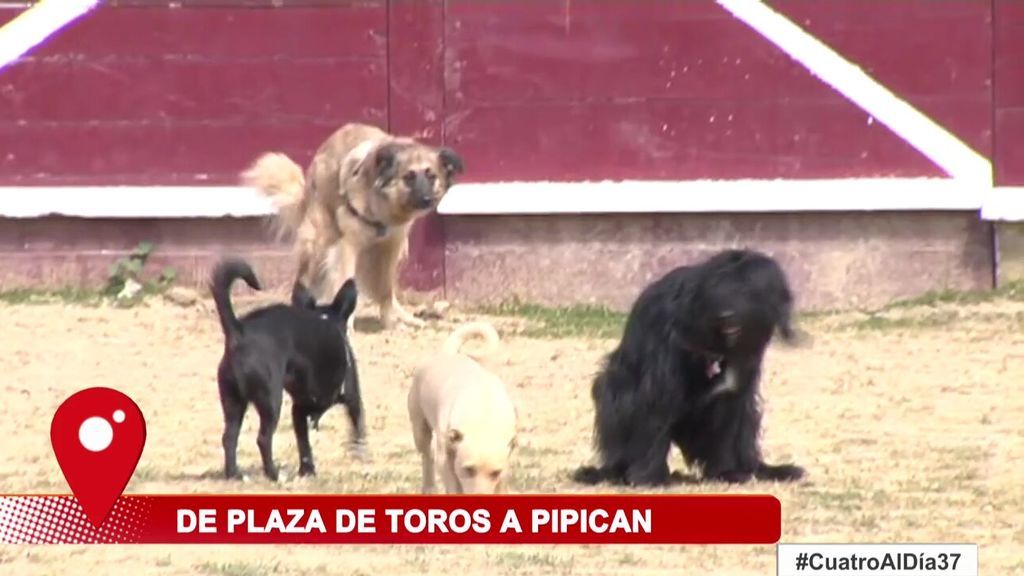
<point>61,520</point>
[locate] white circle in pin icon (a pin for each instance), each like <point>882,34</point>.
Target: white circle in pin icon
<point>96,434</point>
<point>118,416</point>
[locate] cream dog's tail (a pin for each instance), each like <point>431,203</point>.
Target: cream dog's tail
<point>483,330</point>
<point>280,179</point>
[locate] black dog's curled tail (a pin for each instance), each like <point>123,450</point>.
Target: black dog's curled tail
<point>226,272</point>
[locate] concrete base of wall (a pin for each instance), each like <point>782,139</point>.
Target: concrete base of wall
<point>835,260</point>
<point>1010,242</point>
<point>49,253</point>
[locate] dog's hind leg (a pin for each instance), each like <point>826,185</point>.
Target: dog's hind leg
<point>300,422</point>
<point>269,409</point>
<point>234,413</point>
<point>234,406</point>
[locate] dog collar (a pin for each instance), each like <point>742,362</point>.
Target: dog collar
<point>378,227</point>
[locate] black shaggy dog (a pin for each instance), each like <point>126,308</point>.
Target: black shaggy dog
<point>686,373</point>
<point>301,349</point>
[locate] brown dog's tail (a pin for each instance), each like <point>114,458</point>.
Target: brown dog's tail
<point>483,330</point>
<point>280,179</point>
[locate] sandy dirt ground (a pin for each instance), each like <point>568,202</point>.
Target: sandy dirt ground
<point>911,425</point>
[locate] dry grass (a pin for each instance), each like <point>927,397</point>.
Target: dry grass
<point>910,427</point>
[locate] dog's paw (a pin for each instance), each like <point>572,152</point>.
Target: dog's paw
<point>273,474</point>
<point>402,321</point>
<point>307,470</point>
<point>358,451</point>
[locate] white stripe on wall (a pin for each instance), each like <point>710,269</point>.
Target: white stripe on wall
<point>36,24</point>
<point>1005,203</point>
<point>933,141</point>
<point>725,196</point>
<point>520,198</point>
<point>132,202</point>
<point>712,196</point>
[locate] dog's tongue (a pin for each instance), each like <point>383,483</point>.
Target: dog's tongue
<point>713,368</point>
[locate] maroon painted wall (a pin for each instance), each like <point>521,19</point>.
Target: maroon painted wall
<point>151,95</point>
<point>138,93</point>
<point>682,90</point>
<point>1009,92</point>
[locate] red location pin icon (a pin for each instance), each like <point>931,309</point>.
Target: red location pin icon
<point>97,435</point>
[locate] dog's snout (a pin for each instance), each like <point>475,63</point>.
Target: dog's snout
<point>421,189</point>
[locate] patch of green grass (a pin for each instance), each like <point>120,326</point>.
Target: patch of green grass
<point>80,296</point>
<point>238,569</point>
<point>584,321</point>
<point>1013,291</point>
<point>590,321</point>
<point>931,320</point>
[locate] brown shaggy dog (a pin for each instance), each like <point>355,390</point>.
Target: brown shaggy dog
<point>351,212</point>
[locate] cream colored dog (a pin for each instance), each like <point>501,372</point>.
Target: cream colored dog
<point>462,417</point>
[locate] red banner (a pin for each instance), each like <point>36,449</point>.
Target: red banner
<point>398,519</point>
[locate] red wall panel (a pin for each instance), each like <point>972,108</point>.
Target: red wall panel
<point>682,90</point>
<point>416,107</point>
<point>935,55</point>
<point>1009,92</point>
<point>153,95</point>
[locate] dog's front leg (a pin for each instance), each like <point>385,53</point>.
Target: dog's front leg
<point>378,269</point>
<point>651,469</point>
<point>422,436</point>
<point>448,477</point>
<point>353,401</point>
<point>301,424</point>
<point>429,475</point>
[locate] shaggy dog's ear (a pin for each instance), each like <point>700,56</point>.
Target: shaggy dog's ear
<point>683,308</point>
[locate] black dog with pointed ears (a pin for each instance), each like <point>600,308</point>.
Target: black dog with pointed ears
<point>300,348</point>
<point>687,373</point>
